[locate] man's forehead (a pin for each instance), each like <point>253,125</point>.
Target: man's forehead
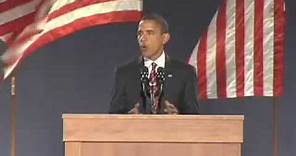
<point>148,25</point>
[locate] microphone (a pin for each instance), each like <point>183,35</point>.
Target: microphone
<point>161,74</point>
<point>144,80</point>
<point>146,108</point>
<point>161,78</point>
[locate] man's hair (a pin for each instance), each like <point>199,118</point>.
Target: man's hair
<point>159,20</point>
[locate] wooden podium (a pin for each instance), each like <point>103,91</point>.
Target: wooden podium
<point>152,135</point>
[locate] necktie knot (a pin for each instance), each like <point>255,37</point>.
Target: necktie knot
<point>154,65</point>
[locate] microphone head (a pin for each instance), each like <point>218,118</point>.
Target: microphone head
<point>160,70</point>
<point>161,74</point>
<point>143,74</point>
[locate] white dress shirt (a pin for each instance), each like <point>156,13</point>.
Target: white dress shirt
<point>160,61</point>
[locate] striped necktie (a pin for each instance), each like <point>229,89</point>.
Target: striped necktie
<point>154,88</point>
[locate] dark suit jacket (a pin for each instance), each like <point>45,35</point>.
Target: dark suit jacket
<point>179,88</point>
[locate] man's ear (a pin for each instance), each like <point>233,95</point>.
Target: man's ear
<point>166,38</point>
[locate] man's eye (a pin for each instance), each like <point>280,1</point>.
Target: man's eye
<point>150,32</point>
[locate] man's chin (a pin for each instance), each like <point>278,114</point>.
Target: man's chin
<point>145,54</point>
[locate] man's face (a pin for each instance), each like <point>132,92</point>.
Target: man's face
<point>151,39</point>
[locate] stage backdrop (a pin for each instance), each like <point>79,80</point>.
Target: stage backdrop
<point>75,75</point>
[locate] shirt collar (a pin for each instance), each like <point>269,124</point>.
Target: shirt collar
<point>160,61</point>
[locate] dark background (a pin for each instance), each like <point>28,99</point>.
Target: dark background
<point>75,75</point>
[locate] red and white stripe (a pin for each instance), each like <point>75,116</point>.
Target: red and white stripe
<point>241,54</point>
<point>1,1</point>
<point>52,20</point>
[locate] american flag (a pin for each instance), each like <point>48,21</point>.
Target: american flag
<point>241,53</point>
<point>26,25</point>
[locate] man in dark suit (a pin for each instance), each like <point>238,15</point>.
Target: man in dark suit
<point>178,92</point>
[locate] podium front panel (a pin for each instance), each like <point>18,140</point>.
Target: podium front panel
<point>153,135</point>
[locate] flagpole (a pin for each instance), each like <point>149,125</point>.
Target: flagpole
<point>13,116</point>
<point>276,115</point>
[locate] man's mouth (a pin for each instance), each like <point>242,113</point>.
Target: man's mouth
<point>143,46</point>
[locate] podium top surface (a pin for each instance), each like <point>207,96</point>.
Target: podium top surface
<point>153,128</point>
<point>150,116</point>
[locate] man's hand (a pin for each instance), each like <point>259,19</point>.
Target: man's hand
<point>170,108</point>
<point>136,109</point>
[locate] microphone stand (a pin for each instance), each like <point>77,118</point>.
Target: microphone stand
<point>161,79</point>
<point>13,116</point>
<point>149,94</point>
<point>145,90</point>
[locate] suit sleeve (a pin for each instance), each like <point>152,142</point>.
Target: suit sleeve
<point>117,105</point>
<point>190,94</point>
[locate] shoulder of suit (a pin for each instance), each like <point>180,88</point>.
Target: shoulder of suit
<point>181,65</point>
<point>131,65</point>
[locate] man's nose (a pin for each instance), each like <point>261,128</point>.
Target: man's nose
<point>143,38</point>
